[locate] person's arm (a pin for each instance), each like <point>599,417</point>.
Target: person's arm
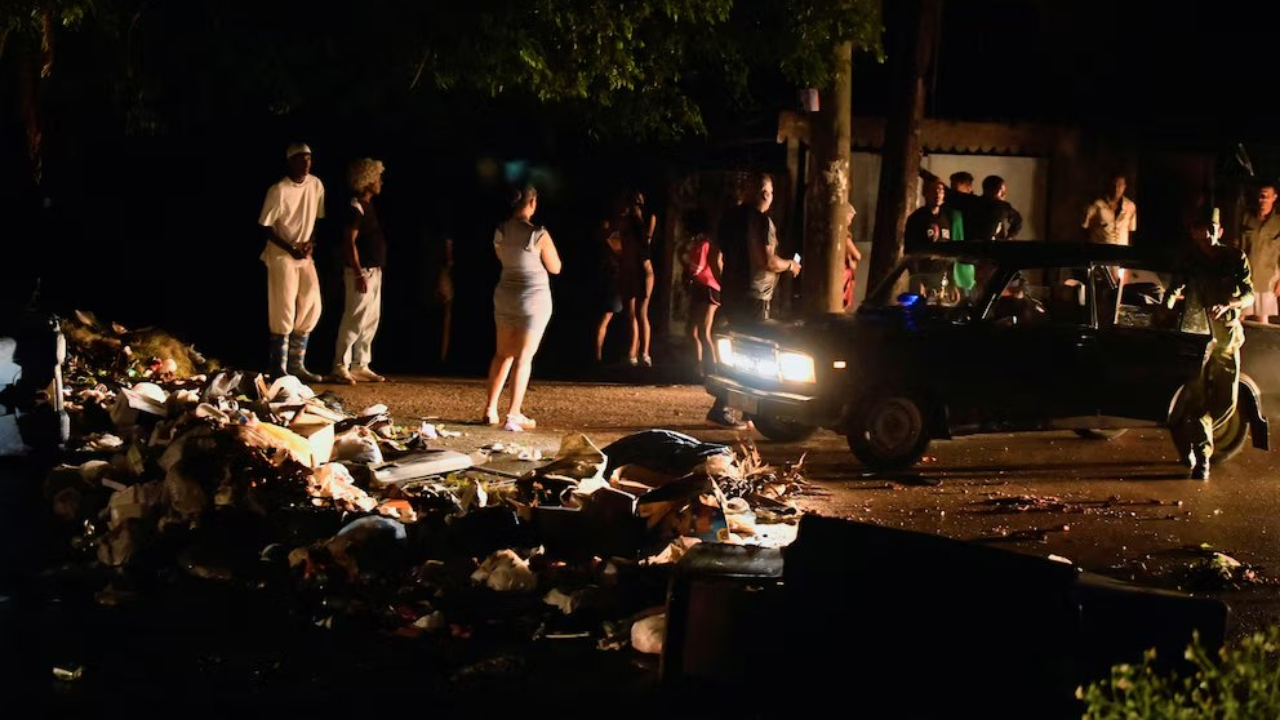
<point>771,261</point>
<point>715,259</point>
<point>1015,222</point>
<point>550,257</point>
<point>267,219</point>
<point>352,255</point>
<point>309,246</point>
<point>758,246</point>
<point>1133,217</point>
<point>851,250</point>
<point>1090,213</point>
<point>269,233</point>
<point>1242,292</point>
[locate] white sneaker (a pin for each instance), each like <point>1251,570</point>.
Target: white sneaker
<point>362,373</point>
<point>518,420</point>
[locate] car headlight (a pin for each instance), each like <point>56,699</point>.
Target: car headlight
<point>796,367</point>
<point>725,347</point>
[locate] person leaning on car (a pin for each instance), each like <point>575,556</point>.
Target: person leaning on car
<point>1220,278</point>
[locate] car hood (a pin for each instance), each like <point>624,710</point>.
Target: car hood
<point>837,332</point>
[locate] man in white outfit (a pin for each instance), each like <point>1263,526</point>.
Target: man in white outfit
<point>364,250</point>
<point>1260,240</point>
<point>288,220</point>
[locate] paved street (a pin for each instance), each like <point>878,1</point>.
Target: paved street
<point>1121,507</point>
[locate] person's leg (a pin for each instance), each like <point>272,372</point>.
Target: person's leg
<point>504,355</point>
<point>368,316</point>
<point>643,309</point>
<point>633,324</point>
<point>1193,424</point>
<point>529,341</point>
<point>602,331</point>
<point>347,328</point>
<point>308,316</point>
<point>642,313</point>
<point>446,325</point>
<point>1222,390</point>
<point>696,317</point>
<point>282,294</point>
<point>708,324</point>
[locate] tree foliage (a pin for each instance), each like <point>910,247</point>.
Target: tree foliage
<point>636,69</point>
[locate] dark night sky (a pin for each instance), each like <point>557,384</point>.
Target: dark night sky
<point>1198,72</point>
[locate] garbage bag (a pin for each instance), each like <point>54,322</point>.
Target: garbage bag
<point>647,634</point>
<point>358,445</point>
<point>661,450</point>
<point>505,571</point>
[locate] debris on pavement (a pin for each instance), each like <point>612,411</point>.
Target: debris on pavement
<point>180,467</point>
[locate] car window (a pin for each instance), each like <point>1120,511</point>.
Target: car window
<point>1134,297</point>
<point>931,280</point>
<point>1034,296</point>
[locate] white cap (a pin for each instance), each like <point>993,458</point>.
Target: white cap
<point>296,148</point>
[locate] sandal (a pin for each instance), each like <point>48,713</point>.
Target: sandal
<point>490,419</point>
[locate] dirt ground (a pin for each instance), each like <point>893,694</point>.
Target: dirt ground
<point>603,411</point>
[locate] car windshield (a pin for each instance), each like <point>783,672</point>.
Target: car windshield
<point>923,279</point>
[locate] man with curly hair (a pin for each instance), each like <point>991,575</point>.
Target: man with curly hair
<point>364,250</point>
<point>288,220</point>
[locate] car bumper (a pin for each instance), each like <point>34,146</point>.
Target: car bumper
<point>800,408</point>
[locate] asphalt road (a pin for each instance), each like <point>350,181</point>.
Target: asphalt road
<point>1121,507</point>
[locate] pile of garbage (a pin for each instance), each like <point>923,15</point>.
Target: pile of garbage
<point>231,478</point>
<point>98,350</point>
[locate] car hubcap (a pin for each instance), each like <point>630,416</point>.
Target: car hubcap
<point>895,427</point>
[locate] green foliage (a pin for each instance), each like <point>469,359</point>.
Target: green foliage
<point>1241,682</point>
<point>638,69</point>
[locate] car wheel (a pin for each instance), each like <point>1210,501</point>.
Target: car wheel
<point>782,430</point>
<point>1101,433</point>
<point>889,431</point>
<point>1230,437</point>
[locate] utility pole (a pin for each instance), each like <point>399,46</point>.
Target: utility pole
<point>827,180</point>
<point>900,159</point>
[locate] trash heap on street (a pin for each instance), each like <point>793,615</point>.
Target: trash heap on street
<point>227,476</point>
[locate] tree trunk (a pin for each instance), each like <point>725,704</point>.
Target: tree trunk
<point>822,278</point>
<point>900,166</point>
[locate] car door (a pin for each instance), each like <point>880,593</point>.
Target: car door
<point>1147,350</point>
<point>1037,349</point>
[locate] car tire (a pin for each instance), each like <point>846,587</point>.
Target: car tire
<point>1230,437</point>
<point>782,430</point>
<point>1100,433</point>
<point>889,430</point>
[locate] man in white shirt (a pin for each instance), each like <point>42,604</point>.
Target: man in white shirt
<point>1113,216</point>
<point>1260,240</point>
<point>288,220</point>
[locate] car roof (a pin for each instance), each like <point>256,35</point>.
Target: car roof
<point>1024,253</point>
